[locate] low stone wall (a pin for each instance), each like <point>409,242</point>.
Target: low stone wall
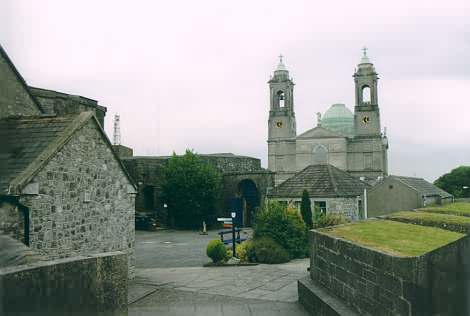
<point>375,283</point>
<point>462,227</point>
<point>91,285</point>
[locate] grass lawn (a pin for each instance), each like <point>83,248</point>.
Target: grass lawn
<point>459,208</point>
<point>432,217</point>
<point>395,238</point>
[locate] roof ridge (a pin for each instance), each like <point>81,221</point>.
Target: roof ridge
<point>333,180</point>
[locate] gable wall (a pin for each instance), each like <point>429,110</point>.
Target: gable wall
<point>62,222</point>
<point>337,152</point>
<point>14,98</point>
<point>391,196</point>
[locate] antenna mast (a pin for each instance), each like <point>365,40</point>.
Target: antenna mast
<point>117,130</point>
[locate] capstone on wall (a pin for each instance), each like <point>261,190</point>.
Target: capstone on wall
<point>54,102</point>
<point>14,96</point>
<point>85,202</point>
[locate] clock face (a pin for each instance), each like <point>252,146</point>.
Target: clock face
<point>365,119</point>
<point>279,124</point>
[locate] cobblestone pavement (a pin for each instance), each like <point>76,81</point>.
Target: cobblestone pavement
<point>181,286</point>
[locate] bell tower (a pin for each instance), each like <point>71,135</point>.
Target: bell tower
<point>281,124</point>
<point>366,111</point>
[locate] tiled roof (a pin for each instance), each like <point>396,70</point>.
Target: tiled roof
<point>23,140</point>
<point>423,187</point>
<point>320,181</point>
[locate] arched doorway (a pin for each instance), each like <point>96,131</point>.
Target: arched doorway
<point>250,201</point>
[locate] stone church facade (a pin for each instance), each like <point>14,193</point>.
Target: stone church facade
<point>353,142</point>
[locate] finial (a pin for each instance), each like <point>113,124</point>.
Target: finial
<point>364,49</point>
<point>280,58</point>
<point>318,119</point>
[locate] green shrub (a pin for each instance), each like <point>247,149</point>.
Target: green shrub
<point>306,209</point>
<point>285,228</point>
<point>266,250</point>
<point>216,250</point>
<point>330,220</point>
<point>242,250</point>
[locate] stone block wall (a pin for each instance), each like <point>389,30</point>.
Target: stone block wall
<point>15,99</point>
<point>374,283</point>
<point>85,202</point>
<point>92,285</point>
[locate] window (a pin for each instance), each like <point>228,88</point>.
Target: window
<point>319,207</point>
<point>281,97</point>
<point>365,94</point>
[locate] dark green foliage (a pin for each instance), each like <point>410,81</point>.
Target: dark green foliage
<point>285,228</point>
<point>191,188</point>
<point>266,250</point>
<point>329,220</point>
<point>306,209</point>
<point>216,250</point>
<point>455,182</point>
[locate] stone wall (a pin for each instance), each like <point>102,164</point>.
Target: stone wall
<point>148,172</point>
<point>85,202</point>
<point>15,99</point>
<point>91,286</point>
<point>54,102</point>
<point>373,283</point>
<point>346,206</point>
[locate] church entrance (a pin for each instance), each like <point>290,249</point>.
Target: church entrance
<point>250,200</point>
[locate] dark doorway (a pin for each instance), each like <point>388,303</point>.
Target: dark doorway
<point>149,197</point>
<point>249,196</point>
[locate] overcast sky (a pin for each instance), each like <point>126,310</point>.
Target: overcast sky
<point>193,74</point>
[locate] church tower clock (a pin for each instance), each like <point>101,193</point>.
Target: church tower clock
<point>281,124</point>
<point>366,111</point>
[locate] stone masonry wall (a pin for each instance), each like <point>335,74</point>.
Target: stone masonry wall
<point>14,97</point>
<point>344,206</point>
<point>375,283</point>
<point>92,285</point>
<point>372,283</point>
<point>83,205</point>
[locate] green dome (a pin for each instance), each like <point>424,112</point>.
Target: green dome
<point>339,119</point>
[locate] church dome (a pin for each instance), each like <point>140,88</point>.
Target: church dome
<point>338,118</point>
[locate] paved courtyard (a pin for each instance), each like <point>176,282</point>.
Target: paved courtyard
<point>170,280</point>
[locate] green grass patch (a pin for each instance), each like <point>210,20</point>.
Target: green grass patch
<point>431,217</point>
<point>395,238</point>
<point>459,208</point>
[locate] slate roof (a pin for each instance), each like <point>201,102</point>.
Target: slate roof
<point>423,187</point>
<point>322,181</point>
<point>27,143</point>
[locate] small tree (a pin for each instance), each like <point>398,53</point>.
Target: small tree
<point>191,189</point>
<point>306,209</point>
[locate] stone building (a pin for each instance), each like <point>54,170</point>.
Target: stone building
<point>331,190</point>
<point>398,193</point>
<point>244,183</point>
<point>351,142</point>
<point>63,190</point>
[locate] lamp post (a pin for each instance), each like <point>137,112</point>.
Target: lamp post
<point>233,214</point>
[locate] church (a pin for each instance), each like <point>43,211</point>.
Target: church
<point>352,142</point>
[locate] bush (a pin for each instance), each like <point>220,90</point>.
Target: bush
<point>330,220</point>
<point>285,228</point>
<point>245,250</point>
<point>306,209</point>
<point>216,250</point>
<point>266,250</point>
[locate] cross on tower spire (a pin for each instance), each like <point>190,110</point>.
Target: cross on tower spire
<point>280,58</point>
<point>365,51</point>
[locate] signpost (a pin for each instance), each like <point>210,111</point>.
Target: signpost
<point>233,234</point>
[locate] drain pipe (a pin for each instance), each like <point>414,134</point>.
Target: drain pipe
<point>365,203</point>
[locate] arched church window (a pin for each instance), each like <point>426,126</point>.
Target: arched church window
<point>366,94</point>
<point>281,97</point>
<point>320,155</point>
